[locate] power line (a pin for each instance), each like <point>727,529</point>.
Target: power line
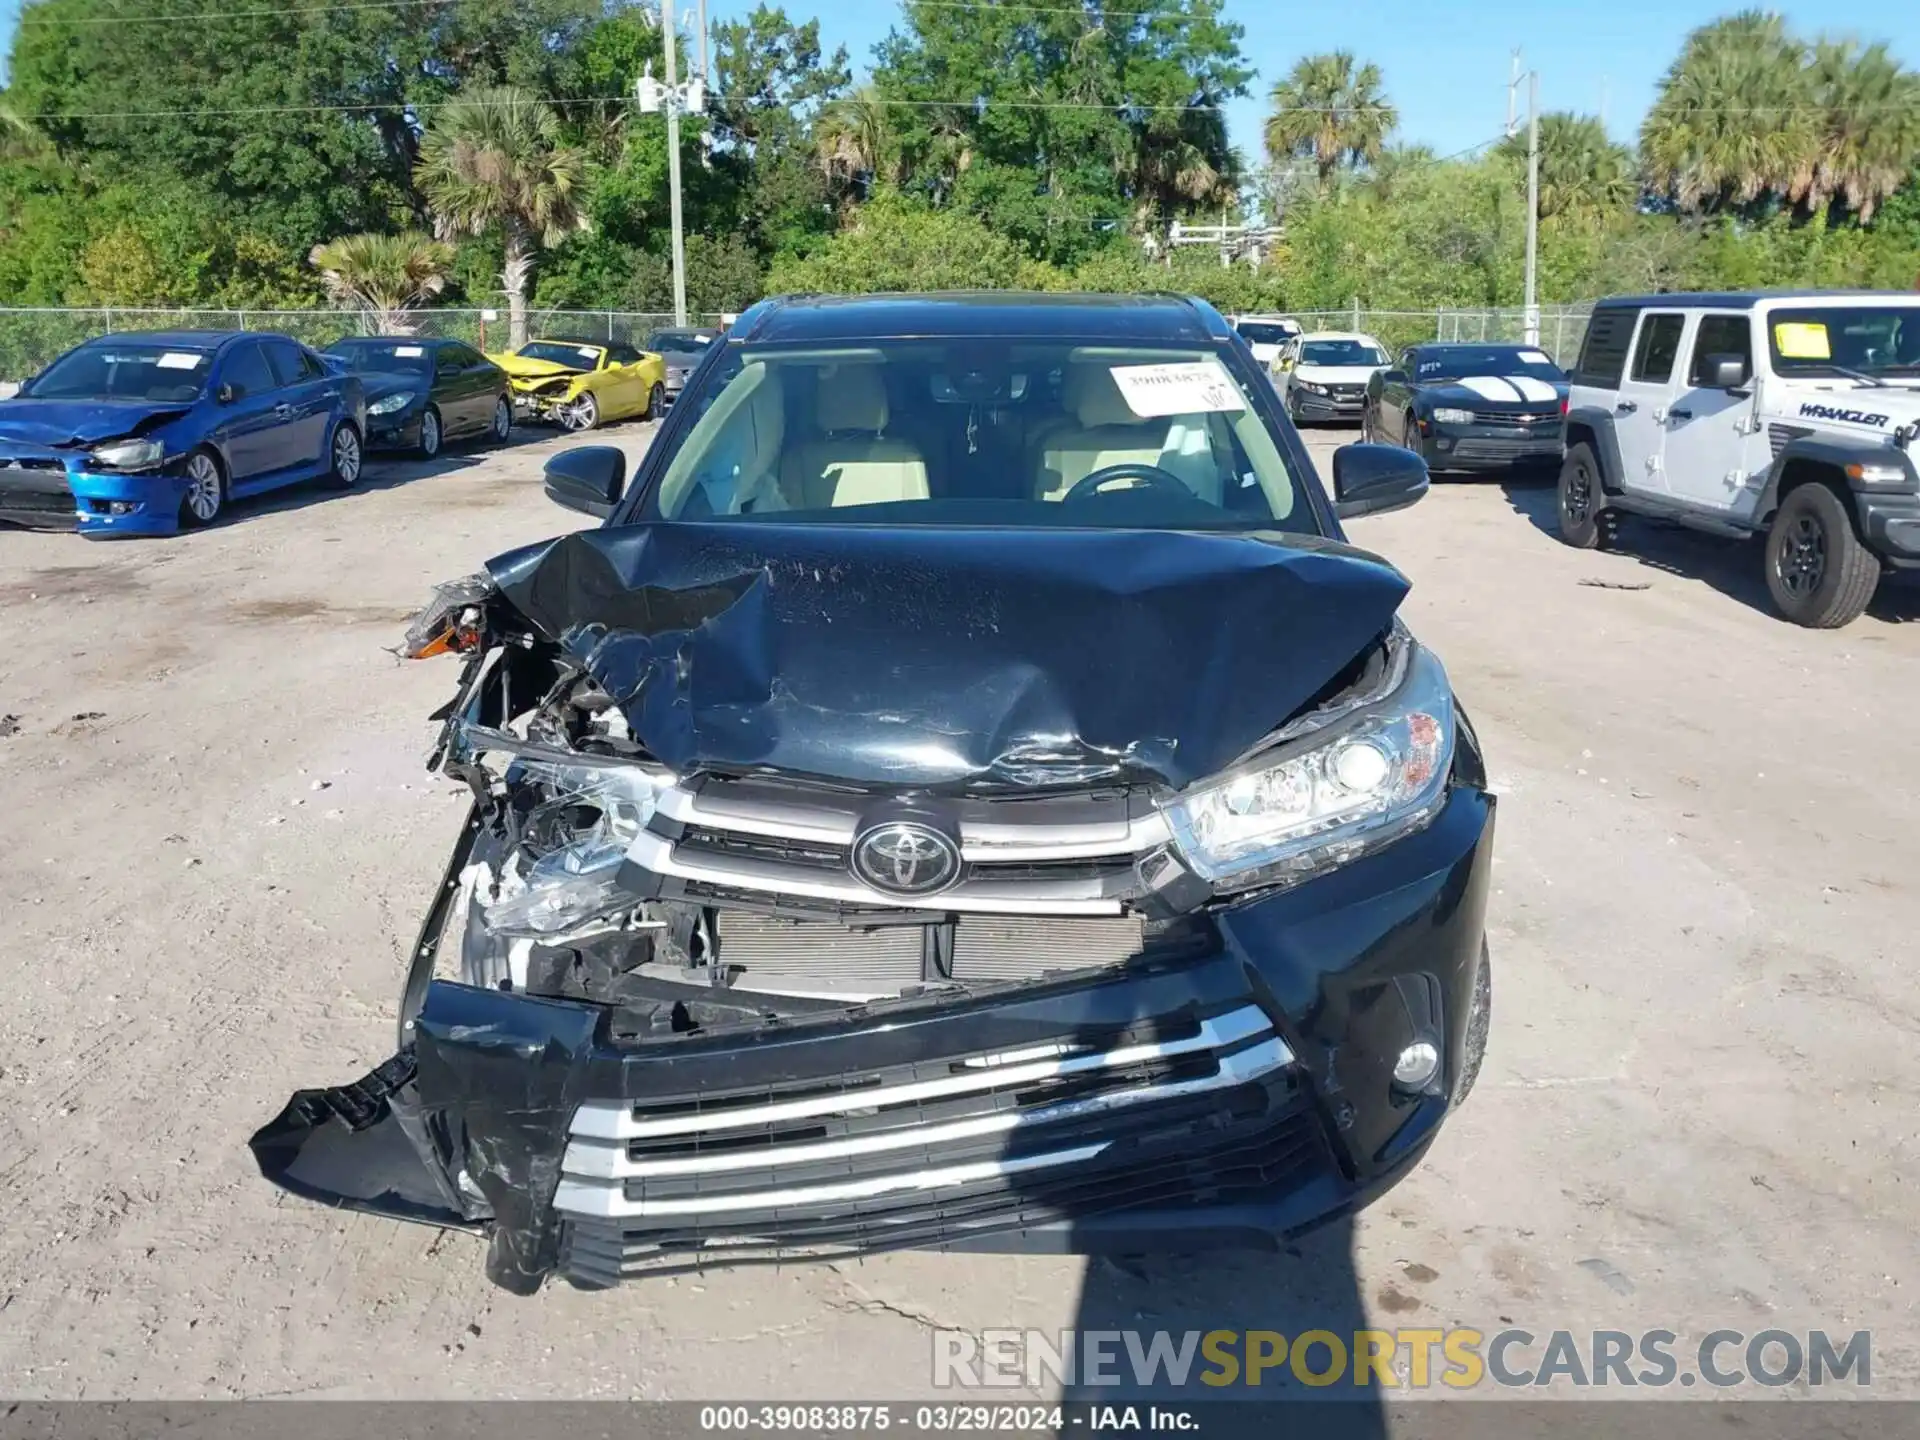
<point>151,18</point>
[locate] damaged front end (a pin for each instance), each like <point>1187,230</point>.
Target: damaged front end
<point>1073,971</point>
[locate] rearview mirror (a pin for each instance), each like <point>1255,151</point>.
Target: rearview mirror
<point>1373,479</point>
<point>589,479</point>
<point>1725,372</point>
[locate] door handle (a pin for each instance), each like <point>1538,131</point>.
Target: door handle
<point>1625,407</point>
<point>283,410</point>
<point>1678,414</point>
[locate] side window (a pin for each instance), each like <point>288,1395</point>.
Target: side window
<point>245,369</point>
<point>447,361</point>
<point>468,359</point>
<point>1720,335</point>
<point>288,360</point>
<point>1659,347</point>
<point>1603,355</point>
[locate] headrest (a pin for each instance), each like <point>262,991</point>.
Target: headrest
<point>1095,400</point>
<point>851,397</point>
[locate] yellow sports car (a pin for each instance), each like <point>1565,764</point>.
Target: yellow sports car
<point>580,383</point>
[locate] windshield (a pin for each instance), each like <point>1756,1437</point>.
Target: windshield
<point>561,352</point>
<point>1259,333</point>
<point>124,372</point>
<point>1453,363</point>
<point>1835,339</point>
<point>981,433</point>
<point>677,340</point>
<point>1341,352</point>
<point>364,356</point>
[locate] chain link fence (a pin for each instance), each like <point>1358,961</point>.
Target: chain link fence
<point>30,339</point>
<point>1561,326</point>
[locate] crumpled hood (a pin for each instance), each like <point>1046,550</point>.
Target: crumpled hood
<point>82,422</point>
<point>952,658</point>
<point>521,368</point>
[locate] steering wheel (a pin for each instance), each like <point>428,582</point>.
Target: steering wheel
<point>1152,476</point>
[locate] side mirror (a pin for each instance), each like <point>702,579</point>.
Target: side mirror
<point>1393,377</point>
<point>589,479</point>
<point>1725,372</point>
<point>226,395</point>
<point>1373,479</point>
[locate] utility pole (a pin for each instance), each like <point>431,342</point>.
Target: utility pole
<point>705,74</point>
<point>673,97</point>
<point>1513,91</point>
<point>1532,320</point>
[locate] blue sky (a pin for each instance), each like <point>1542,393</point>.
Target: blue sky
<point>1445,65</point>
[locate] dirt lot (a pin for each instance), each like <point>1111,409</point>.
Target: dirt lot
<point>1699,1109</point>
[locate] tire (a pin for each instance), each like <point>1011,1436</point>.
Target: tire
<point>1410,433</point>
<point>656,403</point>
<point>1583,519</point>
<point>430,434</point>
<point>1819,573</point>
<point>1479,1024</point>
<point>583,414</point>
<point>345,458</point>
<point>502,424</point>
<point>1366,425</point>
<point>206,493</point>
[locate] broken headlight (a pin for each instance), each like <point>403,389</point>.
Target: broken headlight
<point>575,823</point>
<point>1370,776</point>
<point>129,454</point>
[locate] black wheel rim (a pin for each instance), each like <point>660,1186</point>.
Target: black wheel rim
<point>1800,558</point>
<point>1577,502</point>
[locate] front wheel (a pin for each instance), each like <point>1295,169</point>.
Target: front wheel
<point>1367,437</point>
<point>429,434</point>
<point>656,403</point>
<point>581,414</point>
<point>344,469</point>
<point>502,419</point>
<point>206,489</point>
<point>1583,519</point>
<point>1818,572</point>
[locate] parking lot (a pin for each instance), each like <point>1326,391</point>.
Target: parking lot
<point>1699,1109</point>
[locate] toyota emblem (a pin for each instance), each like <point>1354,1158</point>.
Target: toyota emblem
<point>904,858</point>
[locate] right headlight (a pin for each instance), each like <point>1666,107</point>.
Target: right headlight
<point>1362,780</point>
<point>1444,416</point>
<point>389,404</point>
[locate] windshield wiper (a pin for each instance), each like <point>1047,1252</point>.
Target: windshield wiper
<point>1864,377</point>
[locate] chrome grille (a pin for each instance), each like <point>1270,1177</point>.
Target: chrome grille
<point>1514,417</point>
<point>1056,855</point>
<point>941,1127</point>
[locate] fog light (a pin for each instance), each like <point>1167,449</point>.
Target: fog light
<point>1417,1065</point>
<point>120,507</point>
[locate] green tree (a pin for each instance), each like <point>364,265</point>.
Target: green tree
<point>1331,110</point>
<point>1733,120</point>
<point>1583,173</point>
<point>1868,117</point>
<point>383,276</point>
<point>854,143</point>
<point>897,244</point>
<point>495,159</point>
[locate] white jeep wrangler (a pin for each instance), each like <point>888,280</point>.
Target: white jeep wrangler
<point>1788,415</point>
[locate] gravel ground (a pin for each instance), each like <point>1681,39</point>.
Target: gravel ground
<point>1698,1110</point>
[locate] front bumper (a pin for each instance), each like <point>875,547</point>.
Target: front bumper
<point>604,1156</point>
<point>1490,447</point>
<point>1306,405</point>
<point>54,491</point>
<point>1890,525</point>
<point>536,406</point>
<point>399,431</point>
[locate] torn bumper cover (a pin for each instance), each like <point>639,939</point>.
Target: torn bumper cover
<point>1230,1099</point>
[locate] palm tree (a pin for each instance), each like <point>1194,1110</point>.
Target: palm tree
<point>495,157</point>
<point>1180,161</point>
<point>852,141</point>
<point>1867,110</point>
<point>383,276</point>
<point>1582,172</point>
<point>1329,110</point>
<point>1733,120</point>
<point>19,140</point>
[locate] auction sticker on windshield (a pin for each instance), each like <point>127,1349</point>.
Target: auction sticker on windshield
<point>1800,340</point>
<point>1187,388</point>
<point>409,352</point>
<point>179,360</point>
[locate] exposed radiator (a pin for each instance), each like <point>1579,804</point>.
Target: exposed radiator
<point>823,957</point>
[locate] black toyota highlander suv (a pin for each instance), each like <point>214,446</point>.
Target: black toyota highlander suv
<point>968,793</point>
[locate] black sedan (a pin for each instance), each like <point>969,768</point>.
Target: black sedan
<point>423,392</point>
<point>1471,407</point>
<point>683,350</point>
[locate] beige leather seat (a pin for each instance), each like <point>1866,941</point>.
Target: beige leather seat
<point>850,461</point>
<point>1102,431</point>
<point>756,431</point>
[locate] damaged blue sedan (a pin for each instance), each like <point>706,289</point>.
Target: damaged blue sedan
<point>142,434</point>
